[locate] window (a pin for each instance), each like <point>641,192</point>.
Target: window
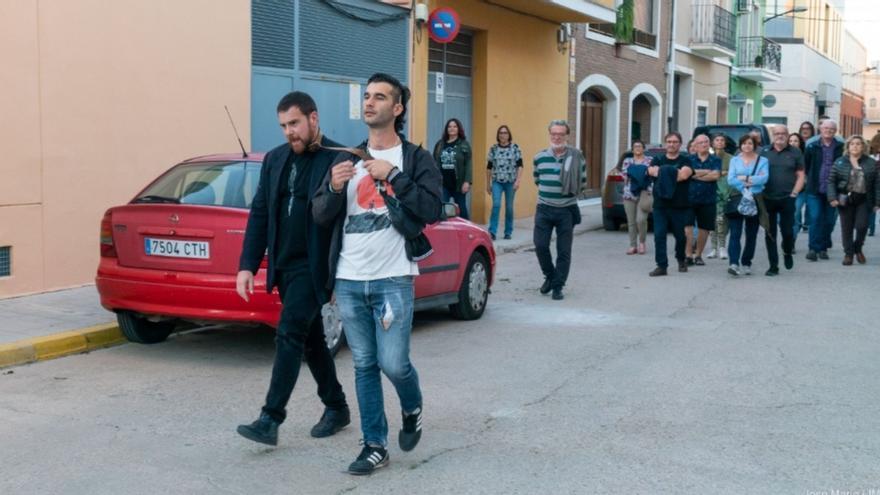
<point>5,261</point>
<point>643,16</point>
<point>873,102</point>
<point>229,184</point>
<point>702,114</point>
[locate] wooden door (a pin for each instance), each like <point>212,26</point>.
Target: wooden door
<point>592,138</point>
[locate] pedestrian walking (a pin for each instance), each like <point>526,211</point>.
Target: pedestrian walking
<point>503,172</point>
<point>786,181</point>
<point>372,264</point>
<point>702,196</point>
<point>719,235</point>
<point>875,154</point>
<point>560,173</point>
<point>280,226</point>
<point>801,213</point>
<point>637,199</point>
<point>854,190</point>
<point>671,173</point>
<point>819,159</point>
<point>747,176</point>
<point>453,154</point>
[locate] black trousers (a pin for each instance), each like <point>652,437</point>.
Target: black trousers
<point>548,218</point>
<point>781,213</point>
<point>854,216</point>
<point>668,220</point>
<point>300,333</point>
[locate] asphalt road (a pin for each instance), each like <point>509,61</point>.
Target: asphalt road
<point>692,383</point>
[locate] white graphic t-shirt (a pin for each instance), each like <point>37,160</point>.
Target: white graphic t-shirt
<point>371,248</point>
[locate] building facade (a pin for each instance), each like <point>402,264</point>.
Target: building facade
<point>812,80</point>
<point>854,64</point>
<point>618,91</point>
<point>872,101</point>
<point>699,73</point>
<point>758,60</point>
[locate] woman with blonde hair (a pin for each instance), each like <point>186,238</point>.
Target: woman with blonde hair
<point>637,199</point>
<point>854,190</point>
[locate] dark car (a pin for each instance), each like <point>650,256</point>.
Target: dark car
<point>613,214</point>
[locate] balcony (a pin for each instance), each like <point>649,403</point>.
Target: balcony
<point>640,38</point>
<point>713,31</point>
<point>758,59</point>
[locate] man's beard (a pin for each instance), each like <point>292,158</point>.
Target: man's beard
<point>301,143</point>
<point>557,147</point>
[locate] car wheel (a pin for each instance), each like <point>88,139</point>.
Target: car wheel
<point>334,334</point>
<point>609,224</point>
<point>142,331</point>
<point>474,289</point>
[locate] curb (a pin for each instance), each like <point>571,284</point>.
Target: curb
<point>60,344</point>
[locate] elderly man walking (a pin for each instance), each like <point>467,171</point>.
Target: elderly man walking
<point>819,157</point>
<point>782,189</point>
<point>561,174</point>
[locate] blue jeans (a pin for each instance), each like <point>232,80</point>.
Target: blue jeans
<point>734,245</point>
<point>497,189</point>
<point>824,216</point>
<point>377,316</point>
<point>458,198</point>
<point>802,215</point>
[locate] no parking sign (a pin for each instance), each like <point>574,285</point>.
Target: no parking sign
<point>443,25</point>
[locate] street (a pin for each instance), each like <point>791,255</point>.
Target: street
<point>690,383</point>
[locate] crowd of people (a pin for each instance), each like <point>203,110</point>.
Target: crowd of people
<point>707,193</point>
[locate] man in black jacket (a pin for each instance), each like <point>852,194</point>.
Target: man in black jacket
<point>819,158</point>
<point>368,257</point>
<point>281,220</point>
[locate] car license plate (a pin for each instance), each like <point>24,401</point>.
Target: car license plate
<point>177,249</point>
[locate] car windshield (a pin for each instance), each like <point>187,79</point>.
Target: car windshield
<point>733,132</point>
<point>228,183</point>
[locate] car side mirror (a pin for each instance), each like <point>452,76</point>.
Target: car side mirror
<point>450,210</point>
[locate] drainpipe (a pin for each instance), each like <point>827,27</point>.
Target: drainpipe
<point>670,69</point>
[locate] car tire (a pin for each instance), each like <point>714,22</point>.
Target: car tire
<point>334,333</point>
<point>142,331</point>
<point>474,290</point>
<point>610,224</point>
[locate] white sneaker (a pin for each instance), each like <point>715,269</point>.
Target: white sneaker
<point>712,254</point>
<point>747,270</point>
<point>722,253</point>
<point>733,270</point>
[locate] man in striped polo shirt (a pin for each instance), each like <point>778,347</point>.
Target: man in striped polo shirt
<point>561,174</point>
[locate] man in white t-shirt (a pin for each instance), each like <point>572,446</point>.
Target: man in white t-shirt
<point>373,275</point>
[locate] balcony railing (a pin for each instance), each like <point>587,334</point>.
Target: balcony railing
<point>640,38</point>
<point>713,25</point>
<point>757,52</point>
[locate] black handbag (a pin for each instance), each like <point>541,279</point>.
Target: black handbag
<point>417,245</point>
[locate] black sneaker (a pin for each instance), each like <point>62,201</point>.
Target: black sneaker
<point>263,430</point>
<point>658,272</point>
<point>557,294</point>
<point>699,261</point>
<point>772,271</point>
<point>823,255</point>
<point>545,287</point>
<point>492,236</point>
<point>507,237</point>
<point>811,255</point>
<point>682,266</point>
<point>690,261</point>
<point>331,422</point>
<point>411,432</point>
<point>370,459</point>
<point>789,261</point>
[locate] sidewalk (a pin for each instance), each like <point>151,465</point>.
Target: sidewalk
<point>71,321</point>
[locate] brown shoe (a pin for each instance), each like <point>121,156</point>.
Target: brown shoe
<point>860,257</point>
<point>847,260</point>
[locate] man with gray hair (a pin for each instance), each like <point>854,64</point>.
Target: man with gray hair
<point>819,157</point>
<point>561,175</point>
<point>786,182</point>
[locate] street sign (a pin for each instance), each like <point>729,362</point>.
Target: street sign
<point>443,25</point>
<point>439,87</point>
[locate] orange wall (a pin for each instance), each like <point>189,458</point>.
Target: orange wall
<point>98,98</point>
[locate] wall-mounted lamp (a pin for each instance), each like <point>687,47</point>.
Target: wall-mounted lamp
<point>563,35</point>
<point>420,15</point>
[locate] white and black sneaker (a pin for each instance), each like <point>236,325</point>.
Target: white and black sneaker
<point>412,430</point>
<point>371,459</point>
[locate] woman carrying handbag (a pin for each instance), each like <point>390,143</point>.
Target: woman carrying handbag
<point>853,190</point>
<point>747,176</point>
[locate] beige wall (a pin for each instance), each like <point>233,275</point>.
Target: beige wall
<point>520,79</point>
<point>98,98</point>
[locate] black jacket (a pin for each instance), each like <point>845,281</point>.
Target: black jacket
<point>417,187</point>
<point>262,223</point>
<point>813,163</point>
<point>839,178</point>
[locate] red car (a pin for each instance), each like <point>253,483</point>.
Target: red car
<point>171,254</point>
